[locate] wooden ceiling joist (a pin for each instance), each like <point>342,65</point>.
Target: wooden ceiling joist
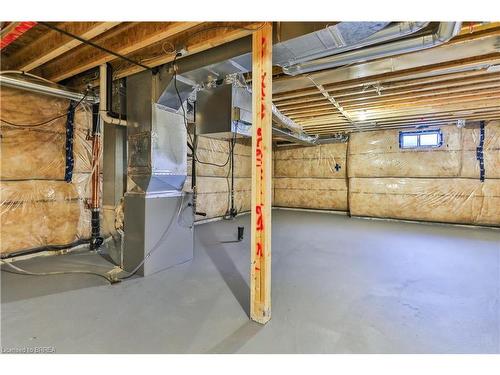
<point>430,95</point>
<point>412,119</point>
<point>409,125</point>
<point>387,85</point>
<point>436,86</point>
<point>423,89</point>
<point>13,31</point>
<point>415,85</point>
<point>465,64</point>
<point>199,39</point>
<point>327,125</point>
<point>424,114</point>
<point>127,38</point>
<point>54,44</point>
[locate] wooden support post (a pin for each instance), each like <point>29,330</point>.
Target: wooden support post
<point>260,272</point>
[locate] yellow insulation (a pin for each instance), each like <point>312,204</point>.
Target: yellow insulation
<point>38,208</point>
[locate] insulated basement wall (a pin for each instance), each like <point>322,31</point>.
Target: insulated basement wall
<point>38,208</point>
<point>453,200</point>
<point>214,183</point>
<point>311,177</point>
<point>439,184</point>
<point>377,154</point>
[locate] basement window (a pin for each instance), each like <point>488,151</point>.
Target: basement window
<point>421,139</point>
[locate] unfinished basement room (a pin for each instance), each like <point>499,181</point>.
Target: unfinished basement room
<point>250,187</point>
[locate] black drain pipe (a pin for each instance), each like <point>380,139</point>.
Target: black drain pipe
<point>109,96</point>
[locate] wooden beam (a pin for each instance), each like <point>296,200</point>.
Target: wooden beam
<point>202,41</point>
<point>431,91</point>
<point>9,28</point>
<point>435,69</point>
<point>260,270</point>
<point>54,44</point>
<point>446,121</point>
<point>124,40</point>
<point>401,87</point>
<point>14,31</point>
<point>422,114</point>
<point>479,94</point>
<point>447,115</point>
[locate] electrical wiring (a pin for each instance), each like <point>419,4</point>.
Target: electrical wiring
<point>11,124</point>
<point>168,52</point>
<point>26,272</point>
<point>19,270</point>
<point>230,189</point>
<point>174,51</point>
<point>193,143</point>
<point>23,126</point>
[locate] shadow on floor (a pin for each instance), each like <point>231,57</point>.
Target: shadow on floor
<point>15,286</point>
<point>234,342</point>
<point>217,253</point>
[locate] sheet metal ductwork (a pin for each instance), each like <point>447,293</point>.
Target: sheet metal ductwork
<point>224,111</point>
<point>158,214</point>
<point>385,43</point>
<point>157,139</point>
<point>344,42</point>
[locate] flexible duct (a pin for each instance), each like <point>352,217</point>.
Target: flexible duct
<point>444,33</point>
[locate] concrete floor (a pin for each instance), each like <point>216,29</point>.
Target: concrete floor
<point>340,285</point>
